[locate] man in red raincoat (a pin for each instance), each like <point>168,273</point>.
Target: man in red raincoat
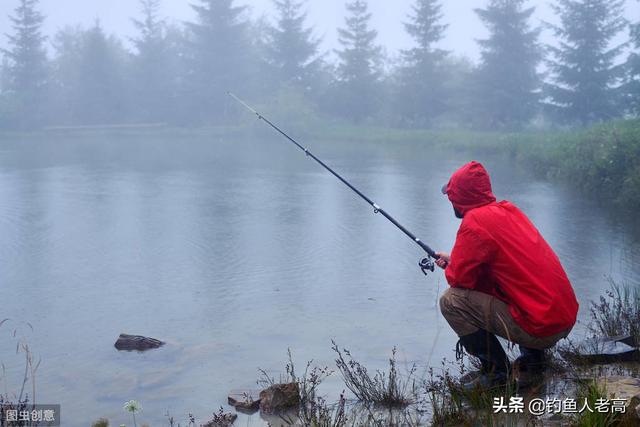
<point>504,280</point>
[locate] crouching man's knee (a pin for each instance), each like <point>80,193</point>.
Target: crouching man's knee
<point>446,303</point>
<point>454,305</point>
<point>450,307</point>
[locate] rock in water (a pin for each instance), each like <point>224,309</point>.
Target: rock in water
<point>247,401</point>
<point>137,342</point>
<point>604,350</point>
<point>279,397</point>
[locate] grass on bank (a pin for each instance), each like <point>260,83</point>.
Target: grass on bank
<point>617,313</point>
<point>591,392</point>
<point>602,162</point>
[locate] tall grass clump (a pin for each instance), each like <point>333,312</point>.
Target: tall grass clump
<point>617,312</point>
<point>19,400</point>
<point>591,391</point>
<point>102,422</point>
<point>389,389</point>
<point>447,403</point>
<point>313,410</point>
<point>452,405</point>
<point>317,413</point>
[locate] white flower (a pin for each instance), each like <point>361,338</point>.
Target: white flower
<point>132,406</point>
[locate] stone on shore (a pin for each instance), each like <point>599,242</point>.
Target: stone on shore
<point>137,342</point>
<point>279,398</point>
<point>622,387</point>
<point>247,401</point>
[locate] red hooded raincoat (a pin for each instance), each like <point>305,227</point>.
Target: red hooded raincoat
<point>500,252</point>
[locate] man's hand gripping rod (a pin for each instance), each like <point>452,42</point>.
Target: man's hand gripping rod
<point>426,264</point>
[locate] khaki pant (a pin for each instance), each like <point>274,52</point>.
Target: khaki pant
<point>467,311</point>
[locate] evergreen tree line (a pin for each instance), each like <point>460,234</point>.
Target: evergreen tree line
<point>179,75</point>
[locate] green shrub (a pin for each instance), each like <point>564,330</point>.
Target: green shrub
<point>602,161</point>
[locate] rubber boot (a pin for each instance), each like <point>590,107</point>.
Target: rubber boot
<point>494,362</point>
<point>530,366</point>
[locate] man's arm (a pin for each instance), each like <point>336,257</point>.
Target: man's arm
<point>472,251</point>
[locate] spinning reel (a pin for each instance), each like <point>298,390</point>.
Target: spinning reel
<point>426,265</point>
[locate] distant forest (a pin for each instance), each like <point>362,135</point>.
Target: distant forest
<point>179,74</point>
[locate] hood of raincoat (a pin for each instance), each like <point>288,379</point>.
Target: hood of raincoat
<point>469,188</point>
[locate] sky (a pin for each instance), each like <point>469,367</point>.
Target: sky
<point>324,15</point>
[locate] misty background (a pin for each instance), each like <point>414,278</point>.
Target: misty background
<point>500,65</point>
<point>324,16</point>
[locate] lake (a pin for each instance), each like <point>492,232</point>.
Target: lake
<point>234,249</point>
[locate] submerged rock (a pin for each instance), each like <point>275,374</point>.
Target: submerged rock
<point>247,401</point>
<point>279,397</point>
<point>137,343</point>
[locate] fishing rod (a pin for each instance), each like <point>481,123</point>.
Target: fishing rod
<point>426,264</point>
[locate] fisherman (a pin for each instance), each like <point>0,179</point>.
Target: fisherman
<point>505,280</point>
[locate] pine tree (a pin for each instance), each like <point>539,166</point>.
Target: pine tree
<point>68,48</point>
<point>421,96</point>
<point>219,59</point>
<point>152,78</point>
<point>632,89</point>
<point>359,68</point>
<point>4,75</point>
<point>586,73</point>
<point>26,75</point>
<point>5,112</point>
<point>293,50</point>
<point>508,84</point>
<point>99,92</point>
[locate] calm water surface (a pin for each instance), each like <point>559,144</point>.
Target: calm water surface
<point>232,252</point>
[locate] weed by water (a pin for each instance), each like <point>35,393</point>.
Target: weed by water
<point>389,389</point>
<point>617,312</point>
<point>591,392</point>
<point>102,422</point>
<point>19,401</point>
